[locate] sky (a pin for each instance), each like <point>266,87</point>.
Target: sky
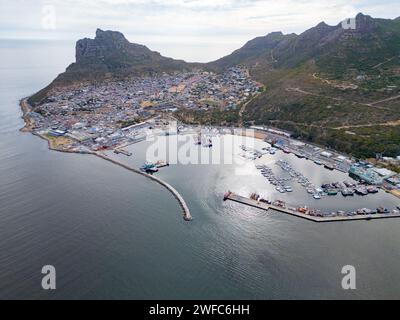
<point>193,30</point>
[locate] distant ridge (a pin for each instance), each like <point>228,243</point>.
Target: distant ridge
<point>321,82</point>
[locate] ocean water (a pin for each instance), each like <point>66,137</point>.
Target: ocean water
<point>112,234</point>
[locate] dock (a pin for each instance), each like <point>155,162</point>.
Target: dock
<point>265,206</point>
<point>122,151</point>
<point>186,212</point>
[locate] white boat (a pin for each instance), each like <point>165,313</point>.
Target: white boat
<point>317,196</point>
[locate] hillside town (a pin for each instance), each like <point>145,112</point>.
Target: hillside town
<point>105,112</point>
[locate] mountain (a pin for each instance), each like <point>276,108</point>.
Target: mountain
<point>375,38</point>
<point>258,48</point>
<point>329,84</point>
<point>110,54</point>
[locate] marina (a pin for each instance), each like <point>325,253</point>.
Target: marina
<point>279,175</point>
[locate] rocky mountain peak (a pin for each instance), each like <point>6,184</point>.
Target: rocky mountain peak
<point>365,23</point>
<point>114,36</point>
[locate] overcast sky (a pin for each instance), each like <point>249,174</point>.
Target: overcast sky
<point>194,30</point>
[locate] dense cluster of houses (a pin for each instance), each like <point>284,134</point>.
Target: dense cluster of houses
<point>102,115</point>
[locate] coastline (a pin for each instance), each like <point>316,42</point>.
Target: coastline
<point>26,108</point>
<point>29,126</point>
<point>53,145</point>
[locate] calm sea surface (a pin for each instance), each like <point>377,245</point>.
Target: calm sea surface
<point>113,234</point>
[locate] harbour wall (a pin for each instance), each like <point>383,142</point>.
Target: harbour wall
<point>186,212</point>
<point>264,206</point>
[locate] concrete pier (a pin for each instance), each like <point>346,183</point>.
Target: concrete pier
<point>122,151</point>
<point>265,206</point>
<point>186,212</point>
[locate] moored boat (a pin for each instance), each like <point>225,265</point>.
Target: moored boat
<point>288,189</point>
<point>329,166</point>
<point>254,196</point>
<point>372,189</point>
<point>382,210</point>
<point>332,192</point>
<point>361,190</point>
<point>149,167</point>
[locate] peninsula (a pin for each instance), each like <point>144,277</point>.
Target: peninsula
<point>310,85</point>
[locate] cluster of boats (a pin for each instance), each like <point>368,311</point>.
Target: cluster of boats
<point>276,203</point>
<point>341,213</point>
<point>280,183</point>
<point>250,153</point>
<point>301,179</point>
<point>253,154</point>
<point>270,150</point>
<point>319,213</point>
<point>348,189</point>
<point>328,189</point>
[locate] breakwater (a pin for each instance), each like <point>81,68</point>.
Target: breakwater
<point>186,212</point>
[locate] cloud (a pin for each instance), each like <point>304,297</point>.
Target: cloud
<point>227,23</point>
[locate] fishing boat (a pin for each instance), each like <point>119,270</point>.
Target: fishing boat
<point>382,210</point>
<point>280,189</point>
<point>329,166</point>
<point>332,192</point>
<point>348,184</point>
<point>317,196</point>
<point>279,203</point>
<point>254,196</point>
<point>361,190</point>
<point>310,190</point>
<point>288,189</point>
<point>303,210</point>
<point>372,189</point>
<point>347,192</point>
<point>149,167</point>
<point>265,201</point>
